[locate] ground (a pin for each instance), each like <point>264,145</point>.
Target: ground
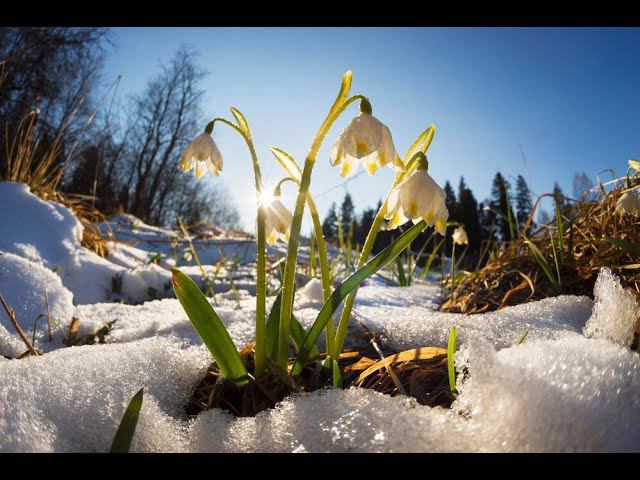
<point>572,385</point>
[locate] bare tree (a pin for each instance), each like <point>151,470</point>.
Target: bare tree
<point>54,70</point>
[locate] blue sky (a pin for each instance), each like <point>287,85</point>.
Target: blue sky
<point>570,97</point>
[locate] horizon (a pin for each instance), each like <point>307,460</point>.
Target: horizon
<point>542,102</point>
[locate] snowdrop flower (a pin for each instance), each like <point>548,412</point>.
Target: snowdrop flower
<point>365,140</point>
<point>418,197</point>
<point>628,203</point>
<point>187,256</point>
<point>460,236</point>
<point>277,219</point>
<point>635,164</point>
<point>202,154</point>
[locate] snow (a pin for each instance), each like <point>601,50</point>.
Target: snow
<point>614,312</point>
<point>571,386</point>
<point>22,285</point>
<point>312,291</point>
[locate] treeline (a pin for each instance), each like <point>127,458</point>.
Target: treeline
<point>125,152</point>
<point>491,221</point>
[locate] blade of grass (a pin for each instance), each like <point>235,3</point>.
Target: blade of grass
<point>540,259</point>
<point>124,435</point>
<point>333,302</point>
<point>451,349</point>
<point>633,247</point>
<point>209,328</point>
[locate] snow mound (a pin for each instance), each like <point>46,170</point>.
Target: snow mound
<point>614,311</point>
<point>573,395</point>
<point>72,399</point>
<point>22,285</point>
<point>567,395</point>
<point>407,317</point>
<point>48,233</point>
<point>312,291</point>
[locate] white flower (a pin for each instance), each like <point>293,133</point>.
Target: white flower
<point>628,203</point>
<point>365,139</point>
<point>277,220</point>
<point>202,154</point>
<point>635,164</point>
<point>418,197</point>
<point>187,256</point>
<point>460,236</point>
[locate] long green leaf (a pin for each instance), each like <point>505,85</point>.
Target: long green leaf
<point>242,122</point>
<point>209,327</point>
<point>355,279</point>
<point>633,247</point>
<point>451,367</point>
<point>288,163</point>
<point>541,260</point>
<point>124,436</point>
<point>297,333</point>
<point>559,228</point>
<point>402,278</point>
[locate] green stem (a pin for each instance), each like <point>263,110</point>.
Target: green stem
<point>286,308</point>
<point>453,267</point>
<point>261,283</point>
<point>322,256</point>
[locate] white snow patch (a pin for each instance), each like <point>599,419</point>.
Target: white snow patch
<point>614,311</point>
<point>312,291</point>
<point>22,285</point>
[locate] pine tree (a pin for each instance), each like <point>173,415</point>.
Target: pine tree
<point>364,225</point>
<point>501,204</point>
<point>558,196</point>
<point>329,225</point>
<point>347,213</point>
<point>450,201</point>
<point>581,186</point>
<point>524,203</point>
<point>468,215</point>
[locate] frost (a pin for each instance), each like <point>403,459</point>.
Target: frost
<point>614,311</point>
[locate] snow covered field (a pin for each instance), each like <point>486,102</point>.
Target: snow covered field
<point>573,385</point>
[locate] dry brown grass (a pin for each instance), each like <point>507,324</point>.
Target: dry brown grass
<point>38,164</point>
<point>513,275</point>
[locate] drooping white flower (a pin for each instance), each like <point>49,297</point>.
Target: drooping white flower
<point>202,154</point>
<point>628,203</point>
<point>277,219</point>
<point>365,140</point>
<point>418,197</point>
<point>460,236</point>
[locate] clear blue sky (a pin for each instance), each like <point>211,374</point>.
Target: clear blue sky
<point>570,97</point>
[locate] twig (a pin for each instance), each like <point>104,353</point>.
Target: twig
<point>12,316</point>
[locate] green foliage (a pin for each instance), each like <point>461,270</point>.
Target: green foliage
<point>124,435</point>
<point>451,349</point>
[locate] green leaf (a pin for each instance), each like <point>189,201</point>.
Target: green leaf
<point>210,328</point>
<point>524,335</point>
<point>297,333</point>
<point>451,349</point>
<point>337,376</point>
<point>335,299</point>
<point>345,86</point>
<point>420,144</point>
<point>402,279</point>
<point>559,227</point>
<point>288,163</point>
<point>242,122</point>
<point>124,436</point>
<point>632,247</point>
<point>541,260</point>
